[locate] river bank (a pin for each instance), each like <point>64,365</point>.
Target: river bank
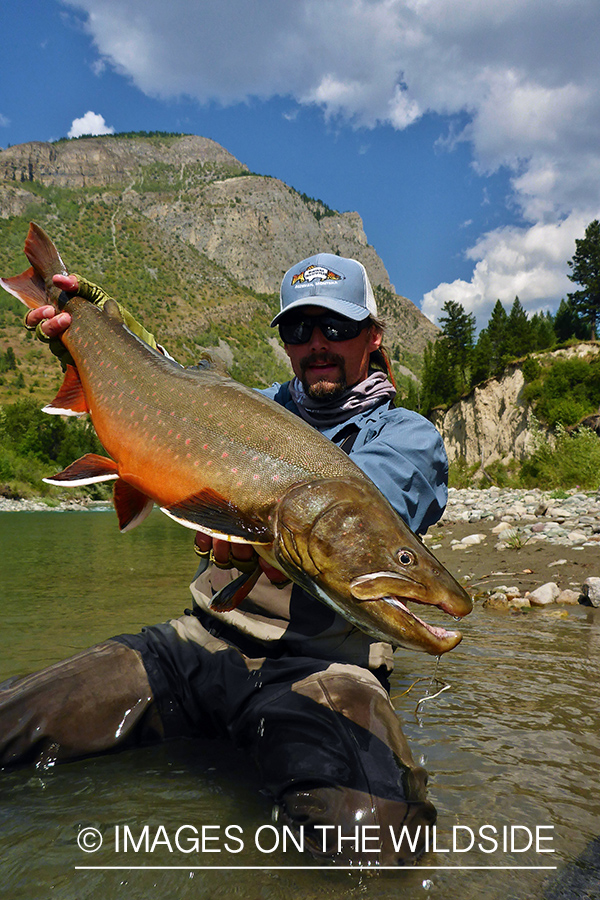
<point>520,548</point>
<point>505,542</point>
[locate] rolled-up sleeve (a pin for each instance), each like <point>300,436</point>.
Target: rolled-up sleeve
<point>404,455</point>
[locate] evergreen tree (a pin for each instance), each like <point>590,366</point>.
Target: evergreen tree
<point>412,399</point>
<point>458,328</point>
<point>543,335</point>
<point>567,323</point>
<point>436,387</point>
<point>586,272</point>
<point>497,330</point>
<point>480,360</point>
<point>518,331</point>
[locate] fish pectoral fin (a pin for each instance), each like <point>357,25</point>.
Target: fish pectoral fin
<point>88,469</point>
<point>131,505</point>
<point>210,512</point>
<point>230,596</point>
<point>70,400</point>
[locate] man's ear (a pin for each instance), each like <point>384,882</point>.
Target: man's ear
<point>375,337</point>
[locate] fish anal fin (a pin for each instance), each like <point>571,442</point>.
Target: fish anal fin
<point>230,596</point>
<point>70,400</point>
<point>209,512</point>
<point>88,469</point>
<point>132,506</point>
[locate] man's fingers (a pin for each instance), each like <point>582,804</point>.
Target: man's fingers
<point>203,541</point>
<point>67,283</point>
<point>57,325</point>
<point>223,551</point>
<point>35,316</point>
<point>273,574</point>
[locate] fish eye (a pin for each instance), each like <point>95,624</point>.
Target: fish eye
<point>405,557</point>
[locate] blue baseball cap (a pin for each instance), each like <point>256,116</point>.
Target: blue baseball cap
<point>333,282</point>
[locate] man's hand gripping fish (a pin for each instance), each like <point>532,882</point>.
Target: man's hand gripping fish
<point>220,458</point>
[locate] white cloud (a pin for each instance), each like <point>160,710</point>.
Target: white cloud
<point>525,72</point>
<point>4,122</point>
<point>91,123</point>
<point>528,263</point>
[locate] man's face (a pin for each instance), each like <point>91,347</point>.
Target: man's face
<point>327,368</point>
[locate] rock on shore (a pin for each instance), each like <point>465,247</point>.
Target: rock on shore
<point>528,534</point>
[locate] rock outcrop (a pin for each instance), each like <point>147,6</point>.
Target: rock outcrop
<point>493,421</point>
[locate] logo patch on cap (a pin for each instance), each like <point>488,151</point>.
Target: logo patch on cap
<point>315,273</point>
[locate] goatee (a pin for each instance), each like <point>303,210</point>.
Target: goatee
<point>325,389</point>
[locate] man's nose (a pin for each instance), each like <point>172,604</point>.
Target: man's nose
<point>318,341</point>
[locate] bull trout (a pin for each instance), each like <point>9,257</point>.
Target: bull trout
<point>221,458</point>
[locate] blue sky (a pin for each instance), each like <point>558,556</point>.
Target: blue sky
<point>464,132</point>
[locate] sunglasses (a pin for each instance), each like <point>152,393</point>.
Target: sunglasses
<point>298,329</point>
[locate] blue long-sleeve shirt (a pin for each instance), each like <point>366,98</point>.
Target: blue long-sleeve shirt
<point>402,452</point>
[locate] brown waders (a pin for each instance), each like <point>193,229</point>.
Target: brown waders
<point>326,740</point>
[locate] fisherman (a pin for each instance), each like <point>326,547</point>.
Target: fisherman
<point>283,676</point>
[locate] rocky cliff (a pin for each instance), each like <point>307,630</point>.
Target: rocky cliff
<point>493,421</point>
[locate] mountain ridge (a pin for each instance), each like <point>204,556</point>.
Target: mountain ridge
<point>182,233</point>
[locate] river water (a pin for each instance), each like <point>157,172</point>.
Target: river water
<point>513,744</point>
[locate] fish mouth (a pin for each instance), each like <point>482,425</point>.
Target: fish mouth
<point>450,597</point>
<point>395,590</point>
<point>443,639</point>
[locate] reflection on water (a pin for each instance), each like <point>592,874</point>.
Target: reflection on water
<point>514,744</point>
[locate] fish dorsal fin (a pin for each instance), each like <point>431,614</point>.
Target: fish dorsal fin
<point>209,512</point>
<point>88,469</point>
<point>132,506</point>
<point>70,400</point>
<point>111,309</point>
<point>212,362</point>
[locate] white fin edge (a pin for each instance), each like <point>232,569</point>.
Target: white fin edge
<point>233,538</point>
<point>137,520</point>
<point>81,482</point>
<point>55,411</point>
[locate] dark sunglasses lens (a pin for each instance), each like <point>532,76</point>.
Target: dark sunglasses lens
<point>333,328</point>
<point>297,332</point>
<point>336,329</point>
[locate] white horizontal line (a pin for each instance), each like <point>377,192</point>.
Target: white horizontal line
<point>323,868</point>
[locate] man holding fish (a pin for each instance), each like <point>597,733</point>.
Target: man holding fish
<point>258,659</point>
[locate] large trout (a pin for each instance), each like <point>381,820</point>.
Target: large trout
<point>223,459</point>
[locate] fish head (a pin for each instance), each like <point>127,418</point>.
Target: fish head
<point>342,541</point>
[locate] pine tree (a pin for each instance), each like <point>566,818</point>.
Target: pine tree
<point>497,330</point>
<point>518,331</point>
<point>567,323</point>
<point>458,328</point>
<point>586,272</point>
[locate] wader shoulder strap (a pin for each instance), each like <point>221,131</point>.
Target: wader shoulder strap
<point>347,440</point>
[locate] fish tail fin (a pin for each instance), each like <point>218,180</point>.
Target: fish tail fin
<point>28,287</point>
<point>35,287</point>
<point>43,255</point>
